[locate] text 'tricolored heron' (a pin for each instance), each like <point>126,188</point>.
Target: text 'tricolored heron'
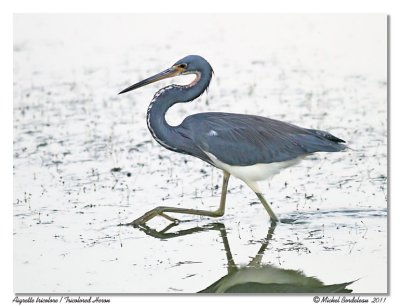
<point>251,148</point>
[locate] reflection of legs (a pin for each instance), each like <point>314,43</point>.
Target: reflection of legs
<point>164,234</point>
<point>231,263</point>
<point>161,210</point>
<point>256,261</point>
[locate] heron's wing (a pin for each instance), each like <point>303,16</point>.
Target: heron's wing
<point>242,140</point>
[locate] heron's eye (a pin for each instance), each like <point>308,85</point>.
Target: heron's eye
<point>182,66</point>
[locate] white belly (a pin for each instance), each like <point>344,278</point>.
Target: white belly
<point>254,173</point>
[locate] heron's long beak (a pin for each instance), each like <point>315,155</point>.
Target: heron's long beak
<point>170,72</point>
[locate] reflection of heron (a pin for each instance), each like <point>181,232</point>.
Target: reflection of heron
<point>259,278</point>
<point>256,277</point>
<point>249,147</point>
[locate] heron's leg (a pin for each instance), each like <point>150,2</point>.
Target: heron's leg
<point>268,208</point>
<point>256,189</point>
<point>161,210</point>
<point>225,180</point>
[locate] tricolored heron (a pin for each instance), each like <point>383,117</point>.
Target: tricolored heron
<point>251,148</point>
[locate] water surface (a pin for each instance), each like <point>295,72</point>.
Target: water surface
<point>84,161</point>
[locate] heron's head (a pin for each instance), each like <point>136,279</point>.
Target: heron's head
<point>191,64</point>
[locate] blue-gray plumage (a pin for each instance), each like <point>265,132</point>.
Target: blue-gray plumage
<point>249,147</point>
<point>244,140</point>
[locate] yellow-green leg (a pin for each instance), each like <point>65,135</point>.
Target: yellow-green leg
<point>268,208</point>
<point>257,191</point>
<point>161,210</point>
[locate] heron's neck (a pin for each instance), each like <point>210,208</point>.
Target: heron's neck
<point>161,131</point>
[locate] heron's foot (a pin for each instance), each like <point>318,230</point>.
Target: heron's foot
<point>158,211</point>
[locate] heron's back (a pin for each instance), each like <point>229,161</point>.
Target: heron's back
<point>243,140</point>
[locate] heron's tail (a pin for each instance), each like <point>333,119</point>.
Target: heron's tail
<point>327,135</point>
<point>321,141</point>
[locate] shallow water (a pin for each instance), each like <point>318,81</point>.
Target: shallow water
<point>84,161</point>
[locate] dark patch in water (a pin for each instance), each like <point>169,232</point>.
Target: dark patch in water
<point>41,145</point>
<point>292,221</point>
